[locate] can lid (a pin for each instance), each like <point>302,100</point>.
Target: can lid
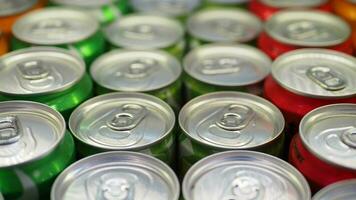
<point>83,3</point>
<point>344,190</point>
<point>244,175</point>
<point>39,70</point>
<point>12,7</point>
<point>54,26</point>
<point>144,32</point>
<point>117,175</point>
<point>122,121</point>
<point>329,133</point>
<point>28,131</point>
<point>227,65</point>
<point>231,120</point>
<point>316,73</point>
<point>136,71</point>
<point>224,25</point>
<point>228,1</point>
<point>293,3</point>
<point>171,8</point>
<point>307,28</point>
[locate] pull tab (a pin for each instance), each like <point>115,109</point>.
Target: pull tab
<point>9,130</point>
<point>228,27</point>
<point>326,78</point>
<point>244,187</point>
<point>129,116</point>
<point>141,32</point>
<point>220,66</point>
<point>115,189</point>
<point>52,24</point>
<point>349,138</point>
<point>303,30</point>
<point>140,68</point>
<point>235,117</point>
<point>33,70</point>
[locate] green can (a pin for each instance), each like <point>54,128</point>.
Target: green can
<point>225,25</point>
<point>225,67</point>
<point>147,32</point>
<point>105,11</point>
<point>124,122</point>
<point>224,121</point>
<point>35,148</point>
<point>224,3</point>
<point>154,72</point>
<point>49,75</point>
<point>62,27</point>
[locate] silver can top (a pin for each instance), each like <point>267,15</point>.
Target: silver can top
<point>55,26</point>
<point>307,28</point>
<point>293,3</point>
<point>171,8</point>
<point>343,190</point>
<point>231,120</point>
<point>28,131</point>
<point>117,175</point>
<point>122,121</point>
<point>39,70</point>
<point>144,32</point>
<point>329,133</point>
<point>244,175</point>
<point>136,71</point>
<point>12,7</point>
<point>224,25</point>
<point>84,3</point>
<point>228,1</point>
<point>227,65</point>
<point>316,73</point>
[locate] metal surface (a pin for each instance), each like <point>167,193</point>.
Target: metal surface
<point>12,7</point>
<point>343,190</point>
<point>293,3</point>
<point>83,3</point>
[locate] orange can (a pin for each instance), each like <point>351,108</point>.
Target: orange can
<point>3,44</point>
<point>346,9</point>
<point>354,40</point>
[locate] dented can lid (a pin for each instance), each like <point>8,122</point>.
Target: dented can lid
<point>224,25</point>
<point>122,121</point>
<point>343,190</point>
<point>55,26</point>
<point>144,32</point>
<point>227,65</point>
<point>231,120</point>
<point>84,3</point>
<point>316,73</point>
<point>293,3</point>
<point>28,132</point>
<point>307,28</point>
<point>117,175</point>
<point>329,133</point>
<point>134,70</point>
<point>39,70</point>
<point>12,7</point>
<point>244,175</point>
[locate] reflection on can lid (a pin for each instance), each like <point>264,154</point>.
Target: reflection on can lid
<point>227,65</point>
<point>12,7</point>
<point>231,120</point>
<point>224,25</point>
<point>244,175</point>
<point>171,8</point>
<point>293,3</point>
<point>117,175</point>
<point>144,32</point>
<point>134,70</point>
<point>83,3</point>
<point>307,28</point>
<point>28,131</point>
<point>39,70</point>
<point>345,190</point>
<point>329,133</point>
<point>54,26</point>
<point>122,121</point>
<point>316,73</point>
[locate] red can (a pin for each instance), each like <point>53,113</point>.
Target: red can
<point>324,151</point>
<point>266,8</point>
<point>290,30</point>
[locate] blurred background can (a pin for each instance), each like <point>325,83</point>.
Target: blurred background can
<point>207,4</point>
<point>339,190</point>
<point>3,43</point>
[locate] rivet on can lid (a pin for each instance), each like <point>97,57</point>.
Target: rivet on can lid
<point>293,3</point>
<point>13,7</point>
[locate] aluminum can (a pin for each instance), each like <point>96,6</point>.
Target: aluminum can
<point>207,4</point>
<point>3,44</point>
<point>324,151</point>
<point>267,8</point>
<point>147,32</point>
<point>63,27</point>
<point>35,148</point>
<point>341,190</point>
<point>48,75</point>
<point>117,175</point>
<point>290,30</point>
<point>154,72</point>
<point>105,11</point>
<point>244,175</point>
<point>222,25</point>
<point>225,67</point>
<point>223,121</point>
<point>346,9</point>
<point>124,122</point>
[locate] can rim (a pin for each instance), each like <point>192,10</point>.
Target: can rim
<point>96,3</point>
<point>285,4</point>
<point>18,10</point>
<point>330,188</point>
